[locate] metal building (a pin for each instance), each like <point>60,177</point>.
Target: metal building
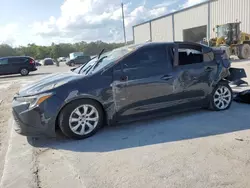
<point>194,23</point>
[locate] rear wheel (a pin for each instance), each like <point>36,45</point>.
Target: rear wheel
<point>24,72</point>
<point>244,51</point>
<point>72,64</point>
<point>221,98</point>
<point>81,119</point>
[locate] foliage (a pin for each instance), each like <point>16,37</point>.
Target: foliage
<point>57,50</point>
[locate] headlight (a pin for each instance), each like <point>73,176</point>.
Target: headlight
<point>34,100</point>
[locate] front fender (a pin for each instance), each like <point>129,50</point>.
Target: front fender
<point>74,95</point>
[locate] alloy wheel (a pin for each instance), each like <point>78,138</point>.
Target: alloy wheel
<point>222,97</point>
<point>84,119</point>
<point>24,71</point>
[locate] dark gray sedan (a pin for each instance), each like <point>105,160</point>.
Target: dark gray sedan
<point>125,84</point>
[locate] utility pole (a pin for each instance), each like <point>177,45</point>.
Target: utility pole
<point>124,30</point>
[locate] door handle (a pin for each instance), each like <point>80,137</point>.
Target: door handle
<point>124,78</point>
<point>208,69</point>
<point>167,77</point>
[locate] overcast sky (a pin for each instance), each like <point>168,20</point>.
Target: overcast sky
<point>46,21</point>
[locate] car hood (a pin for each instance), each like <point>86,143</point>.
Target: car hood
<point>48,83</point>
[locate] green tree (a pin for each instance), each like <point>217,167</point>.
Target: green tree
<point>6,50</point>
<point>57,50</point>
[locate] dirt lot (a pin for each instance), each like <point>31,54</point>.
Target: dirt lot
<point>194,149</point>
<point>9,85</point>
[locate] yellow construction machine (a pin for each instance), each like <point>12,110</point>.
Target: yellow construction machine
<point>230,38</point>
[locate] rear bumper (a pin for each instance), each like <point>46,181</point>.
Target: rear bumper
<point>33,69</point>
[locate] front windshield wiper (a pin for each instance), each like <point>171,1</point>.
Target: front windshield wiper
<point>85,64</point>
<point>98,62</point>
<point>99,55</point>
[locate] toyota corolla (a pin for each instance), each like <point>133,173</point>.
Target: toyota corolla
<point>124,84</point>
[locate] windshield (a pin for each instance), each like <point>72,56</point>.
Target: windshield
<point>222,31</point>
<point>105,59</point>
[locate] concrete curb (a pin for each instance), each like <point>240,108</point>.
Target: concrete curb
<point>19,163</point>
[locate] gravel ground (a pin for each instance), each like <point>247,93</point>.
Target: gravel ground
<point>9,85</point>
<point>5,113</point>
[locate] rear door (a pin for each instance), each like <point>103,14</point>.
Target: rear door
<point>143,82</point>
<point>5,67</point>
<point>16,64</point>
<point>195,69</point>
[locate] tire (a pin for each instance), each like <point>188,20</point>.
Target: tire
<point>72,64</point>
<point>244,51</point>
<point>24,72</point>
<point>221,97</point>
<point>78,126</point>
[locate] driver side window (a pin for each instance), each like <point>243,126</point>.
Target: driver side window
<point>146,62</point>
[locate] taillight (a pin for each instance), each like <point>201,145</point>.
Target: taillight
<point>32,61</point>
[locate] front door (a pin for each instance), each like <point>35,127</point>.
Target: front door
<point>143,82</point>
<point>5,67</point>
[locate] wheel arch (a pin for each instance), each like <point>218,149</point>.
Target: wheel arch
<point>76,99</point>
<point>23,67</point>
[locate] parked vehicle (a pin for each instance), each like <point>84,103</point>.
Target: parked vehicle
<point>17,65</point>
<point>73,55</point>
<point>78,60</point>
<point>48,61</point>
<point>37,62</point>
<point>61,59</point>
<point>122,85</point>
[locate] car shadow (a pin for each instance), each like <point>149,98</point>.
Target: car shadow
<point>178,127</point>
<point>18,75</point>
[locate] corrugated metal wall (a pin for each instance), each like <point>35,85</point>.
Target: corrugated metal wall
<point>221,12</point>
<point>194,17</point>
<point>162,30</point>
<point>225,11</point>
<point>142,33</point>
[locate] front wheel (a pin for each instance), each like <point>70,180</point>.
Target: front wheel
<point>81,119</point>
<point>221,98</point>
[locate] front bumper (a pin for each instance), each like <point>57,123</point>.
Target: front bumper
<point>37,121</point>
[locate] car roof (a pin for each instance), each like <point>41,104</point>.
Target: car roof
<point>169,43</point>
<point>12,57</point>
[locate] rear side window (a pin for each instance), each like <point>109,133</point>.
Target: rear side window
<point>189,55</point>
<point>4,61</point>
<point>192,54</point>
<point>20,60</point>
